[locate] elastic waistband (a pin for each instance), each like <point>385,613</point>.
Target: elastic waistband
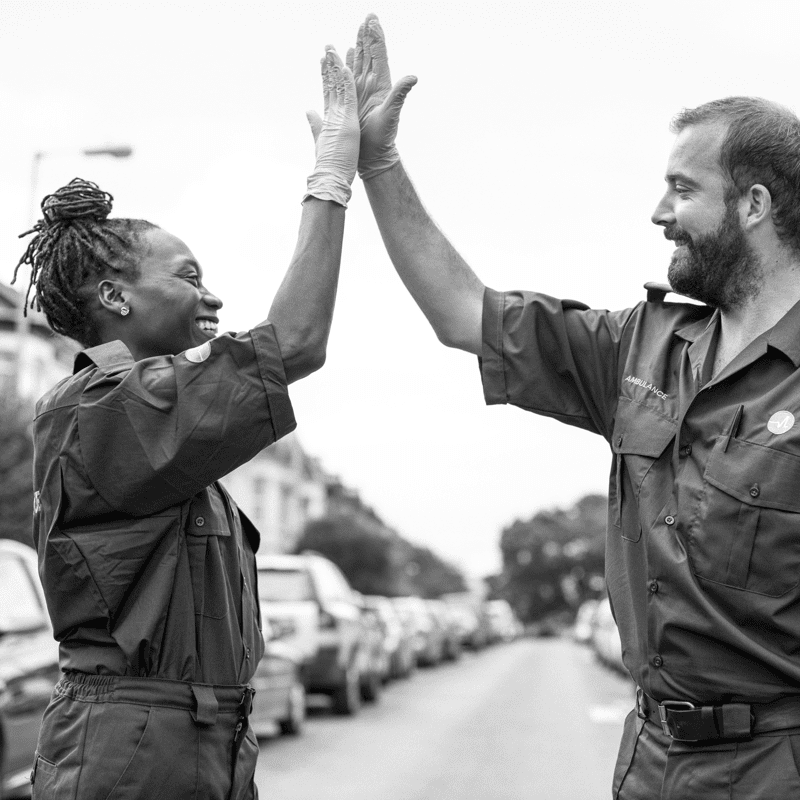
<point>203,700</point>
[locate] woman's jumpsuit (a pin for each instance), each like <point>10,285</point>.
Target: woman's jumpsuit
<point>149,569</point>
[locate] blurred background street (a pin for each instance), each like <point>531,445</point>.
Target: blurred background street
<point>538,718</point>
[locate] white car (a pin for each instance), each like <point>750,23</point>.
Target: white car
<point>605,637</point>
<point>309,605</point>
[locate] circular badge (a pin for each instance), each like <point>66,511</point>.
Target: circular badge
<point>780,422</point>
<point>199,354</point>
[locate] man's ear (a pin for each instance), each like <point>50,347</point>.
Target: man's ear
<point>759,206</point>
<point>112,296</point>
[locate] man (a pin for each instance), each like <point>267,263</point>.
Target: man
<point>698,403</point>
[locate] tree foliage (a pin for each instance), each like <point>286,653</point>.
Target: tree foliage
<point>554,560</point>
<point>16,469</point>
<point>379,562</point>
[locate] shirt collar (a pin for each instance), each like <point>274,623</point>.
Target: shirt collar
<point>694,331</point>
<point>785,335</point>
<point>105,356</point>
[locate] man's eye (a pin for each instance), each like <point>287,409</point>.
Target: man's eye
<point>194,279</point>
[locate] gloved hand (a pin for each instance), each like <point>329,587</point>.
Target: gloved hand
<point>336,136</point>
<point>379,102</point>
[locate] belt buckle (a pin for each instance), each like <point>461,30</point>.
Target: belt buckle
<point>664,706</point>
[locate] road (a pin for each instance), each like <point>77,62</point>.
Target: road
<point>539,718</point>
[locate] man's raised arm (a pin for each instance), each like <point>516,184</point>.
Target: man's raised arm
<point>444,286</point>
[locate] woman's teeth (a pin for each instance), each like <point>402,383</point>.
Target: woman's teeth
<point>206,325</point>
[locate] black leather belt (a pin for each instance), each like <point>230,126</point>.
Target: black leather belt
<point>689,722</point>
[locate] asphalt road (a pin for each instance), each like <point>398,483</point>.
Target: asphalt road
<point>533,719</point>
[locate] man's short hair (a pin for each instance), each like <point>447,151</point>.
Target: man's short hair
<point>762,145</point>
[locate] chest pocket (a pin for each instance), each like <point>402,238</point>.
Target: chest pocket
<point>208,536</point>
<point>640,438</point>
<point>747,535</point>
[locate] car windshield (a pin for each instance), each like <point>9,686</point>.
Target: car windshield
<point>284,584</point>
<point>19,605</point>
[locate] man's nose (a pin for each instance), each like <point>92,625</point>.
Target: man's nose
<point>663,214</point>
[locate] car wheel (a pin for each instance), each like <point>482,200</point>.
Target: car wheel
<point>347,698</point>
<point>293,724</point>
<point>371,687</point>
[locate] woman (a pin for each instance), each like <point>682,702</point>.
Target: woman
<point>147,564</point>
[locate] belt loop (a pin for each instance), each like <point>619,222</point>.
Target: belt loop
<point>641,711</point>
<point>207,705</point>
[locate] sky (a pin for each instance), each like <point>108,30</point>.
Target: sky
<point>537,137</point>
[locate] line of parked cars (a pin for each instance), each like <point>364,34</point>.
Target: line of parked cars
<point>348,646</point>
<point>321,638</point>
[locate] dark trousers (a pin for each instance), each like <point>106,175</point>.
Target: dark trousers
<point>109,738</point>
<point>651,766</point>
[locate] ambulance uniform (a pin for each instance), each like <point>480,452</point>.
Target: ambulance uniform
<point>149,568</point>
<point>703,548</point>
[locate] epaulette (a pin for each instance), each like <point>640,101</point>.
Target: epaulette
<point>656,292</point>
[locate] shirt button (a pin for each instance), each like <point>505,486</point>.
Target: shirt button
<point>619,441</point>
<point>247,653</point>
<point>754,490</point>
<point>686,451</point>
<point>670,520</point>
<point>200,521</point>
<point>657,661</point>
<point>653,587</point>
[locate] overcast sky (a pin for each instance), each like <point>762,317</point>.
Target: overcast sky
<point>537,136</point>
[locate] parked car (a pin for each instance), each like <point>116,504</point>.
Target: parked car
<point>311,606</point>
<point>428,635</point>
<point>584,621</point>
<point>451,631</point>
<point>605,637</point>
<point>503,623</point>
<point>280,693</point>
<point>470,617</point>
<point>398,639</point>
<point>374,658</point>
<point>28,664</point>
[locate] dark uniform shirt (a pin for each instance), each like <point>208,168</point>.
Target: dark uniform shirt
<point>703,549</point>
<point>147,564</point>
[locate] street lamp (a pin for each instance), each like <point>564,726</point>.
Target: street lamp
<point>23,322</point>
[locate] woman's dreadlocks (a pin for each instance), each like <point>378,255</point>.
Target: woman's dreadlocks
<point>74,243</point>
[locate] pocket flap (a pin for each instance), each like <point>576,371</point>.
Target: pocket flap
<point>640,430</point>
<point>755,474</point>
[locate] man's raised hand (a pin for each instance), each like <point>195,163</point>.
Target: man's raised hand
<point>379,103</point>
<point>336,134</point>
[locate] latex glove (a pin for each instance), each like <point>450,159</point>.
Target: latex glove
<point>336,135</point>
<point>379,103</point>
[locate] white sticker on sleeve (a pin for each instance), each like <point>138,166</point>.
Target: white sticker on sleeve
<point>199,354</point>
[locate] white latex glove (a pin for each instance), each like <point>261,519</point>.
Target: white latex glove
<point>336,135</point>
<point>379,102</point>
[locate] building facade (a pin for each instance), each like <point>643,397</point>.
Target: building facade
<point>32,357</point>
<point>281,489</point>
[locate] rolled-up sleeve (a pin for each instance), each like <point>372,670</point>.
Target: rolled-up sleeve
<point>155,432</point>
<point>553,357</point>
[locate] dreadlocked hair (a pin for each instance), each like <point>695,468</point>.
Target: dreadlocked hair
<point>74,245</point>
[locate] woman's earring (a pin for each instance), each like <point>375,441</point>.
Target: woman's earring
<point>124,311</point>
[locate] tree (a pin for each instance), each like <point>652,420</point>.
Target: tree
<point>16,469</point>
<point>367,559</point>
<point>554,560</point>
<point>430,575</point>
<point>378,560</point>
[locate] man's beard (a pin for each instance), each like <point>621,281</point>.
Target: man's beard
<point>719,268</point>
